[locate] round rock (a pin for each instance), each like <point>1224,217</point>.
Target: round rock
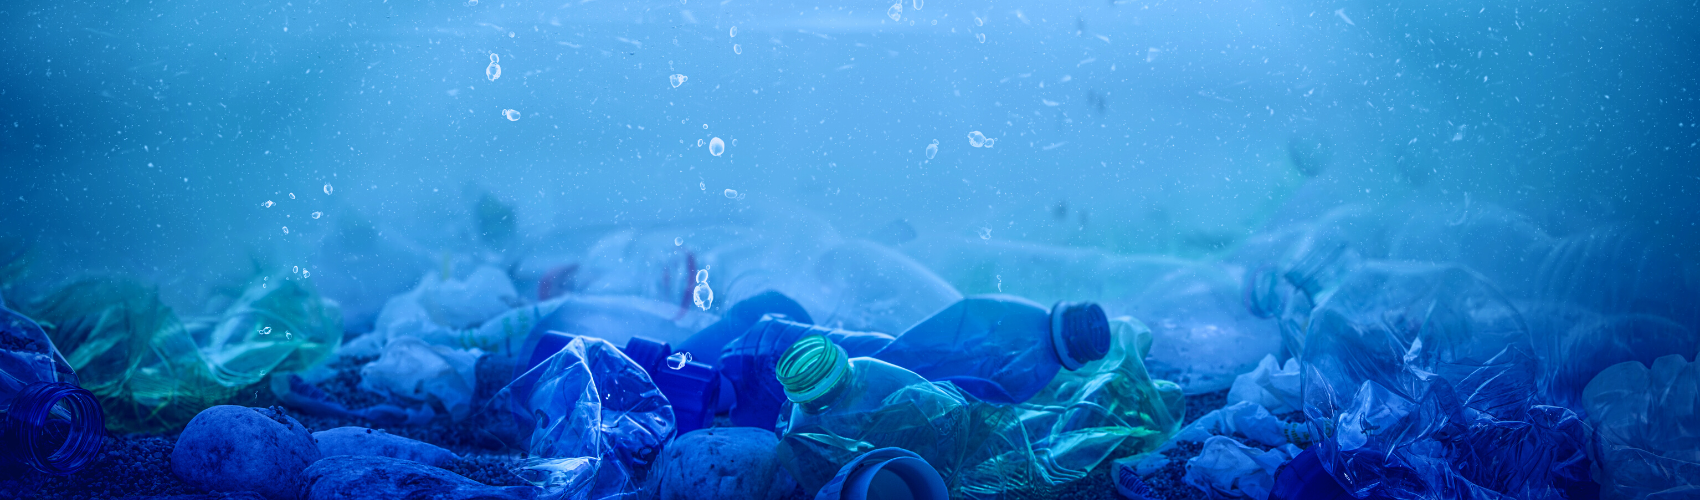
<point>235,448</point>
<point>721,463</point>
<point>361,441</point>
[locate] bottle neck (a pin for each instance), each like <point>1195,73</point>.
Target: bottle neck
<point>54,427</point>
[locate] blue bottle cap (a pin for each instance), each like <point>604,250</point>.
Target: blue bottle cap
<point>1080,333</point>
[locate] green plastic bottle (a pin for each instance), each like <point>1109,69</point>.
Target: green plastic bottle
<point>844,407</point>
<point>152,371</point>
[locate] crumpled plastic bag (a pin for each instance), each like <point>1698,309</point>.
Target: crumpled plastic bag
<point>592,419</point>
<point>1227,469</point>
<point>1271,385</point>
<point>442,378</point>
<point>1647,428</point>
<point>442,312</point>
<point>1420,377</point>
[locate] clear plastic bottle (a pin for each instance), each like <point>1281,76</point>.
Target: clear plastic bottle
<point>47,423</point>
<point>1001,348</point>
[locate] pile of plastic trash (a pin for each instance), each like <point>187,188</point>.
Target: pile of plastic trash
<point>1408,354</point>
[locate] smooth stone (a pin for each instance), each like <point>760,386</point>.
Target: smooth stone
<point>347,477</point>
<point>360,441</point>
<point>236,448</point>
<point>721,463</point>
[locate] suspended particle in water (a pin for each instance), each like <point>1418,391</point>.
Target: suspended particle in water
<point>731,194</point>
<point>285,229</point>
<point>990,141</point>
<point>981,37</point>
<point>510,34</point>
<point>933,149</point>
<point>327,189</point>
<point>265,330</point>
<point>306,274</point>
<point>512,114</point>
<point>976,139</point>
<point>677,79</point>
<point>699,143</point>
<point>737,50</point>
<point>493,71</point>
<point>979,22</point>
<point>267,204</point>
<point>291,196</point>
<point>985,233</point>
<point>1000,283</point>
<point>678,240</point>
<point>702,186</point>
<point>919,3</point>
<point>716,146</point>
<point>317,215</point>
<point>471,3</point>
<point>896,11</point>
<point>678,359</point>
<point>734,33</point>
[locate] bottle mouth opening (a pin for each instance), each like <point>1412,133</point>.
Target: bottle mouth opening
<point>1080,332</point>
<point>810,368</point>
<point>58,427</point>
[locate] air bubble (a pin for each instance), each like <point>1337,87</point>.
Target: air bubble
<point>678,360</point>
<point>493,71</point>
<point>896,11</point>
<point>716,146</point>
<point>981,37</point>
<point>291,196</point>
<point>512,114</point>
<point>731,193</point>
<point>471,3</point>
<point>327,189</point>
<point>678,240</point>
<point>703,296</point>
<point>699,143</point>
<point>305,273</point>
<point>976,139</point>
<point>737,50</point>
<point>985,233</point>
<point>933,149</point>
<point>296,270</point>
<point>702,186</point>
<point>705,126</point>
<point>265,330</point>
<point>267,204</point>
<point>979,22</point>
<point>919,3</point>
<point>990,141</point>
<point>734,33</point>
<point>317,215</point>
<point>677,80</point>
<point>285,229</point>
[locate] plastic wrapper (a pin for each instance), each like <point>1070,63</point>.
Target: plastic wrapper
<point>1647,428</point>
<point>1274,386</point>
<point>1419,378</point>
<point>592,420</point>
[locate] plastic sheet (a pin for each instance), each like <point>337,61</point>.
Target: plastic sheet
<point>592,419</point>
<point>1647,428</point>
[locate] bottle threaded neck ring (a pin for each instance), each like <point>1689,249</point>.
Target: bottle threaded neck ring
<point>811,367</point>
<point>1080,332</point>
<point>57,428</point>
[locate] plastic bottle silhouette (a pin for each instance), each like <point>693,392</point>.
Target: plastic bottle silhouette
<point>47,423</point>
<point>1001,348</point>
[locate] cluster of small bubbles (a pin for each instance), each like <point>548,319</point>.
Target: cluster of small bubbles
<point>896,11</point>
<point>285,229</point>
<point>327,189</point>
<point>317,215</point>
<point>291,196</point>
<point>716,146</point>
<point>678,359</point>
<point>265,330</point>
<point>981,37</point>
<point>512,114</point>
<point>677,79</point>
<point>267,204</point>
<point>976,139</point>
<point>305,273</point>
<point>703,296</point>
<point>493,71</point>
<point>678,240</point>
<point>731,193</point>
<point>933,149</point>
<point>985,233</point>
<point>737,50</point>
<point>734,33</point>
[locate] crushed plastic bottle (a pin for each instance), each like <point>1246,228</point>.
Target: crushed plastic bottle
<point>843,407</point>
<point>1001,348</point>
<point>592,419</point>
<point>49,424</point>
<point>1644,420</point>
<point>750,363</point>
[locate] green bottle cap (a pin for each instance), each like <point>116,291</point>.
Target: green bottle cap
<point>811,367</point>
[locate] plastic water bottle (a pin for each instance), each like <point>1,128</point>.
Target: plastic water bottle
<point>843,407</point>
<point>592,419</point>
<point>1001,348</point>
<point>49,424</point>
<point>749,363</point>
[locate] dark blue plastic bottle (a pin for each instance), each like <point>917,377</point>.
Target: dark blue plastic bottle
<point>47,423</point>
<point>1001,348</point>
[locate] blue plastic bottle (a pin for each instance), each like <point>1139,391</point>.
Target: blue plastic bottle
<point>749,363</point>
<point>1001,348</point>
<point>47,423</point>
